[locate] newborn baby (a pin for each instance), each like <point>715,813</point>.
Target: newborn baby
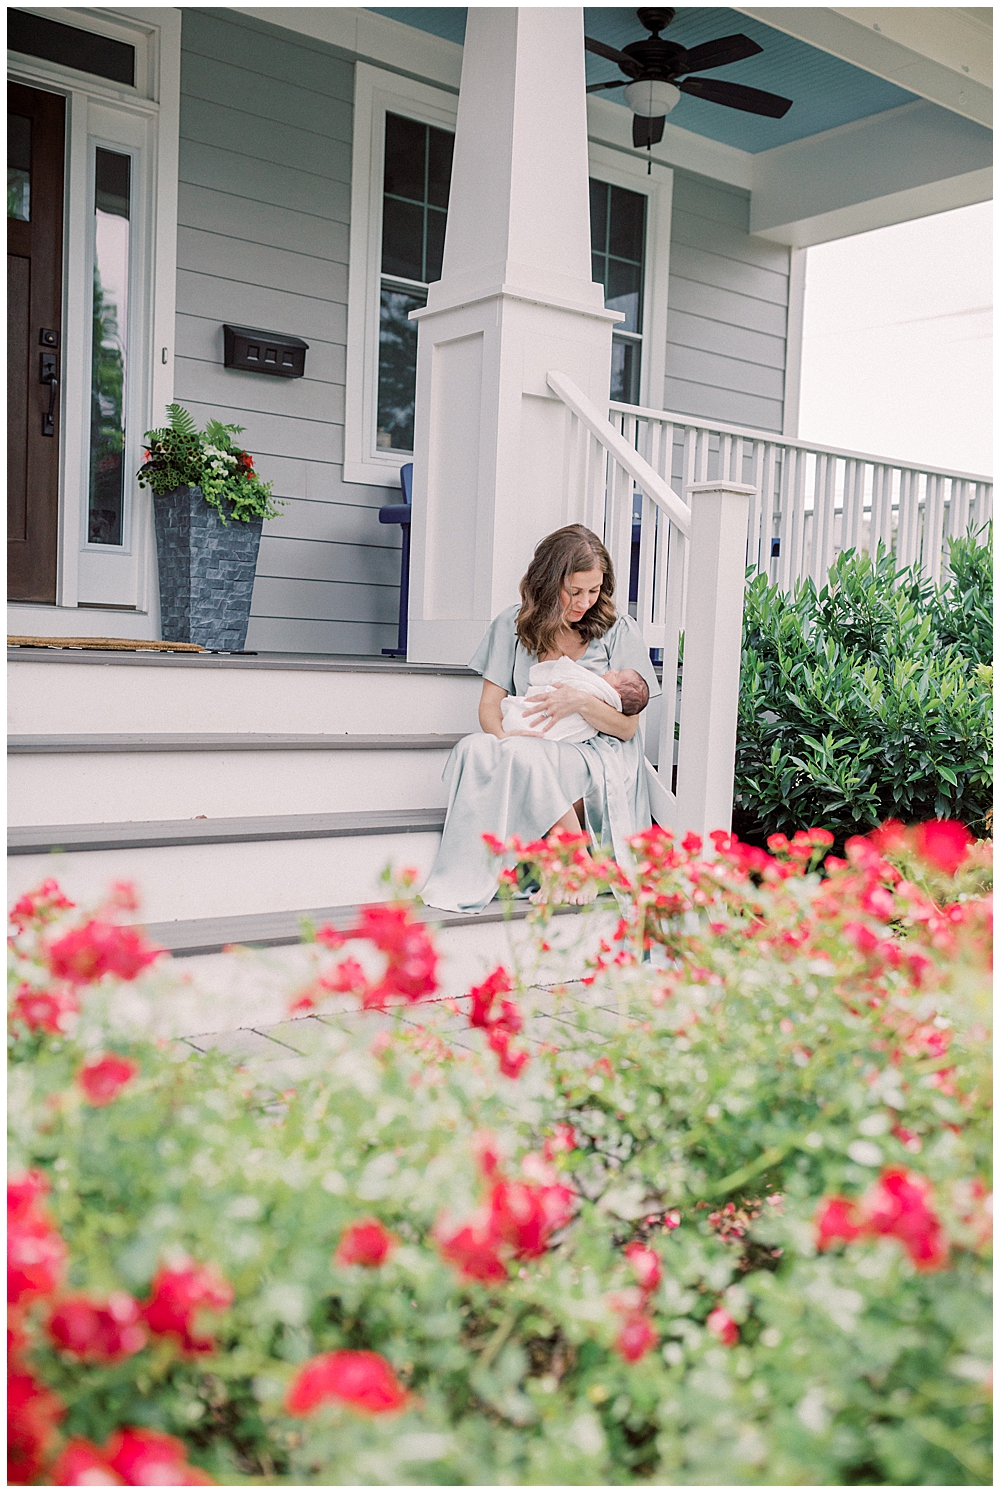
<point>622,689</point>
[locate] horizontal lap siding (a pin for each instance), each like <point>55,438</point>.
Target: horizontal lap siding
<point>727,310</point>
<point>263,225</point>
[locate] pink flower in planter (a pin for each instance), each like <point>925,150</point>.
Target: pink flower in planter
<point>100,1333</point>
<point>360,1379</point>
<point>102,1081</point>
<point>33,1412</point>
<point>837,1221</point>
<point>39,906</point>
<point>647,1265</point>
<point>367,1242</point>
<point>36,1254</point>
<point>943,843</point>
<point>474,1250</point>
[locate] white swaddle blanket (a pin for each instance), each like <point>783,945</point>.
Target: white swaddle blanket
<point>541,678</point>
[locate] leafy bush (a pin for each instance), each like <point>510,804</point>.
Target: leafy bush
<point>726,1225</point>
<point>181,455</point>
<point>868,698</point>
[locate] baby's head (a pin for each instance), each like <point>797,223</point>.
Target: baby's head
<point>631,688</point>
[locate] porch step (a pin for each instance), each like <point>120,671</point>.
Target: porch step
<point>181,775</point>
<point>195,936</point>
<point>231,866</point>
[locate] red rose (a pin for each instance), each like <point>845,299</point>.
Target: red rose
<point>899,1205</point>
<point>39,906</point>
<point>99,1333</point>
<point>360,1379</point>
<point>102,1081</point>
<point>178,1295</point>
<point>838,1219</point>
<point>33,1412</point>
<point>87,954</point>
<point>367,1242</point>
<point>36,1258</point>
<point>44,1010</point>
<point>636,1337</point>
<point>724,1328</point>
<point>647,1266</point>
<point>83,1465</point>
<point>943,843</point>
<point>145,1458</point>
<point>474,1250</point>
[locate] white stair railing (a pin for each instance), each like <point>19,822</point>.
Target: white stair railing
<point>692,557</point>
<point>810,502</point>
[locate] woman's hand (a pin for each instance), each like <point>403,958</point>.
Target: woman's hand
<point>565,699</point>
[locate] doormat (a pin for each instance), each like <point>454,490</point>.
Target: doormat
<point>118,645</point>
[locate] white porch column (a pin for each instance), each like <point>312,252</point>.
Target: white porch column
<point>515,300</point>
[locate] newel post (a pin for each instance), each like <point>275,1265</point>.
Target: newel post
<point>713,636</point>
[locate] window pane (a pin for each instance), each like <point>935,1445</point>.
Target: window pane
<point>397,369</point>
<point>623,292</point>
<point>441,149</point>
<point>436,221</point>
<point>625,372</point>
<point>37,36</point>
<point>19,167</point>
<point>112,199</point>
<point>405,157</point>
<point>402,239</point>
<point>598,217</point>
<point>628,220</point>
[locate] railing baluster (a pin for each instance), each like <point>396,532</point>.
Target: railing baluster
<point>908,527</point>
<point>933,528</point>
<point>823,501</point>
<point>676,567</point>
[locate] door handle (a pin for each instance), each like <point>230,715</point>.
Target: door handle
<point>49,374</point>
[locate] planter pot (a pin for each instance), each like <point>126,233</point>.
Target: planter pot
<point>206,571</point>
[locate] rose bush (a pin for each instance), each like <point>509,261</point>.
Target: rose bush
<point>727,1223</point>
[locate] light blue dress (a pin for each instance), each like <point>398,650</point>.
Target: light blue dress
<point>522,786</point>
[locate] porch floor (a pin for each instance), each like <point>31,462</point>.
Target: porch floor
<point>330,663</point>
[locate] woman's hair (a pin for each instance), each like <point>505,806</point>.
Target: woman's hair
<point>559,556</point>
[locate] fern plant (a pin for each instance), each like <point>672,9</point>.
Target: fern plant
<point>179,455</point>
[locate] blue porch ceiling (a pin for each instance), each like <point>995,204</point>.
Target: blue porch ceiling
<point>826,92</point>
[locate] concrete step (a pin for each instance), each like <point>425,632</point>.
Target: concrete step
<point>227,867</point>
<point>52,778</point>
<point>239,996</point>
<point>54,692</point>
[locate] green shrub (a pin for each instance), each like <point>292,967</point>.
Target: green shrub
<point>640,1295</point>
<point>867,699</point>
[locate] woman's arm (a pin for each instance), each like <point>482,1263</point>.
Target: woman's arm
<point>564,699</point>
<point>490,714</point>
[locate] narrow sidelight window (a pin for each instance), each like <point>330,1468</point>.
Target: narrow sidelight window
<point>618,244</point>
<point>414,211</point>
<point>19,167</point>
<point>112,234</point>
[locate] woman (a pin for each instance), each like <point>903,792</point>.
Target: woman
<point>527,786</point>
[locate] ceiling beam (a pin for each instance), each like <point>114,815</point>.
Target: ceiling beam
<point>942,54</point>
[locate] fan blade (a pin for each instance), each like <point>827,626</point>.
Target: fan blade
<point>616,83</point>
<point>715,54</point>
<point>737,96</point>
<point>626,63</point>
<point>647,131</point>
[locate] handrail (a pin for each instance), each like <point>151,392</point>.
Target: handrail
<point>667,417</point>
<point>627,457</point>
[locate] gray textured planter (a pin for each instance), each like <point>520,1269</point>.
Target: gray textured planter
<point>206,570</point>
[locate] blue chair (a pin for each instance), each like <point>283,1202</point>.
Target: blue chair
<point>400,513</point>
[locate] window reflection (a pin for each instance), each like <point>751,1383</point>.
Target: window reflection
<point>19,167</point>
<point>416,181</point>
<point>112,228</point>
<point>618,245</point>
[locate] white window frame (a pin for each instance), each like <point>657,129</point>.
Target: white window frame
<point>627,171</point>
<point>376,93</point>
<point>141,121</point>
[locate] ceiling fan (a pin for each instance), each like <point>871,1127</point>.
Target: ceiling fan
<point>658,70</point>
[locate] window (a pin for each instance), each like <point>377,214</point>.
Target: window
<point>416,177</point>
<point>618,246</point>
<point>109,320</point>
<point>89,52</point>
<point>19,167</point>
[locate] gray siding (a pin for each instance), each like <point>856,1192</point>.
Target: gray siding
<point>727,310</point>
<point>264,208</point>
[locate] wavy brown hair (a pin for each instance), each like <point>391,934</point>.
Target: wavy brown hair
<point>559,556</point>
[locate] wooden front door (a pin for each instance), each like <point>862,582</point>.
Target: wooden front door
<point>36,126</point>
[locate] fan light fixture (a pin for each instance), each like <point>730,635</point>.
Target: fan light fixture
<point>652,98</point>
